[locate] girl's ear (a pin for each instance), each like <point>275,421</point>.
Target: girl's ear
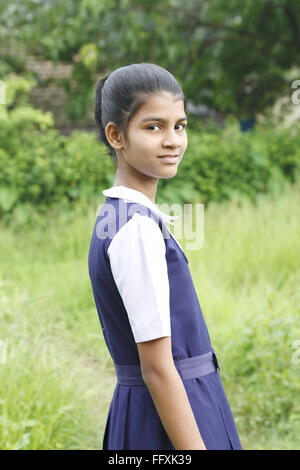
<point>114,136</point>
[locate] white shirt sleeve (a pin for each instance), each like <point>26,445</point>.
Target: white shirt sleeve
<point>139,268</point>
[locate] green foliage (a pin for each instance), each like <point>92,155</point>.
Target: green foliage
<point>259,362</point>
<point>40,168</point>
<point>238,56</point>
<point>40,407</point>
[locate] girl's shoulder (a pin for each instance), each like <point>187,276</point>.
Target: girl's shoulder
<point>119,221</point>
<point>119,211</point>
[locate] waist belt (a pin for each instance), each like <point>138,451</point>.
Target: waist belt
<point>188,368</point>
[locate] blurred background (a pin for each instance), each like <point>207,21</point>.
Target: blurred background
<point>238,65</point>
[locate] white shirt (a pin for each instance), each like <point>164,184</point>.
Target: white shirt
<point>139,268</point>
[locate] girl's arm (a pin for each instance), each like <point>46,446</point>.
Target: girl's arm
<point>168,393</point>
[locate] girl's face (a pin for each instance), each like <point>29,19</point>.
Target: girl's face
<point>157,129</point>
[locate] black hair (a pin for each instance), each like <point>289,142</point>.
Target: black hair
<point>121,94</point>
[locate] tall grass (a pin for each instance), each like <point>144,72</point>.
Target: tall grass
<point>247,277</point>
<point>57,378</point>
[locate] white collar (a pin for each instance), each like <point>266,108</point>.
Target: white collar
<point>132,195</point>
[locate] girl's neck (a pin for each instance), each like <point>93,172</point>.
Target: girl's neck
<point>148,188</point>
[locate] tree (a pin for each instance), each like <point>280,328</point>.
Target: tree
<point>236,57</point>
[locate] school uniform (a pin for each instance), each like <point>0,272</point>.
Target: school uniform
<point>143,290</point>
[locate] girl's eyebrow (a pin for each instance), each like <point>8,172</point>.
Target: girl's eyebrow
<point>154,118</point>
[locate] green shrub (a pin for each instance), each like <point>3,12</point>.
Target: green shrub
<point>264,381</point>
<point>39,167</point>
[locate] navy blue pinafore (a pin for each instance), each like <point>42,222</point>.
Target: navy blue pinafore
<point>133,422</point>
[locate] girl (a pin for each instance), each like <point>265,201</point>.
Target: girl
<point>169,393</point>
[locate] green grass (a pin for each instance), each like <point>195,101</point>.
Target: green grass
<point>58,378</point>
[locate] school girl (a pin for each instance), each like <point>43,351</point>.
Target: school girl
<point>169,393</point>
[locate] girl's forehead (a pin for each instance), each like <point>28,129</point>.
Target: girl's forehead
<point>161,105</point>
<point>159,99</point>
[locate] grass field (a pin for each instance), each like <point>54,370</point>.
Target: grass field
<point>56,376</point>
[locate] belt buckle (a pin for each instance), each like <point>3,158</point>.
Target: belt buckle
<point>215,360</point>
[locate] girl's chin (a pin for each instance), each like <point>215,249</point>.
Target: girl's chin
<point>169,172</point>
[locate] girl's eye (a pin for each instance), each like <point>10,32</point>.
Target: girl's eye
<point>156,125</point>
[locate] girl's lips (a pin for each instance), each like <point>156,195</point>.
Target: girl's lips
<point>170,159</point>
